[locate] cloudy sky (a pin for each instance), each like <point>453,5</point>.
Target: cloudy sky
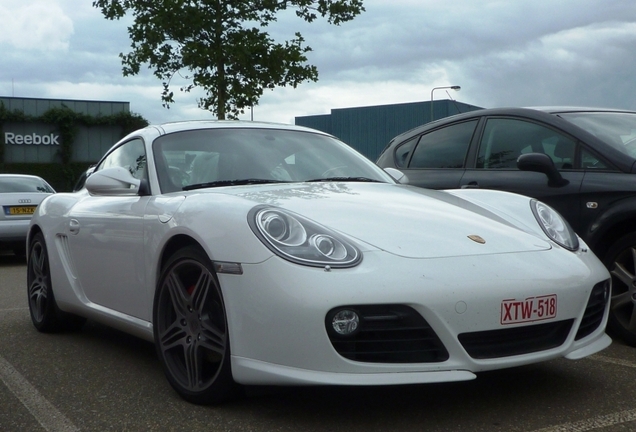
<point>501,53</point>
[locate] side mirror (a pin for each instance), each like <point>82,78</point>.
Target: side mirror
<point>539,162</point>
<point>397,175</point>
<point>113,181</point>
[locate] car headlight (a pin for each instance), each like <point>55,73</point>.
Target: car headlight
<point>554,225</point>
<point>300,240</point>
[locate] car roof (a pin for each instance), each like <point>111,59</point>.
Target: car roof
<point>564,109</point>
<point>179,126</point>
<point>5,175</point>
<point>539,112</point>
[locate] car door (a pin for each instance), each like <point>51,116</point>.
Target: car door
<point>436,159</point>
<point>607,196</point>
<point>106,240</point>
<point>503,140</point>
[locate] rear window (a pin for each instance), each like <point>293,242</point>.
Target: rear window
<point>24,184</point>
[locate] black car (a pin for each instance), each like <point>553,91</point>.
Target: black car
<point>581,161</point>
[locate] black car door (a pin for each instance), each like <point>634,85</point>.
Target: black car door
<point>494,166</point>
<point>607,197</point>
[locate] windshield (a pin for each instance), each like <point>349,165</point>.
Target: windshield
<point>24,184</point>
<point>225,157</point>
<point>615,128</point>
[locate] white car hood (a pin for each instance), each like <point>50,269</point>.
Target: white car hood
<point>405,221</point>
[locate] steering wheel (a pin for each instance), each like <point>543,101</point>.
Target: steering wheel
<point>177,176</point>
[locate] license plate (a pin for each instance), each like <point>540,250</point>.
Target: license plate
<point>531,309</point>
<point>26,210</point>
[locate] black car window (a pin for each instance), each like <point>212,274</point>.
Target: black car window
<point>445,147</point>
<point>504,140</point>
<point>403,152</point>
<point>591,162</point>
<point>130,155</point>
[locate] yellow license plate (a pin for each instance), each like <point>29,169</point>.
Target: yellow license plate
<point>26,210</point>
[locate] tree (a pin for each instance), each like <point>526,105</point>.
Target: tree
<point>221,45</point>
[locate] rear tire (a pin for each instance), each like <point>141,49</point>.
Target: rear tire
<point>621,262</point>
<point>45,314</point>
<point>190,329</point>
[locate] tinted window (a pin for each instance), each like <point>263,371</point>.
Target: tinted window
<point>504,140</point>
<point>444,148</point>
<point>403,152</point>
<point>591,162</point>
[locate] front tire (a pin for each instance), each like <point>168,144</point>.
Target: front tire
<point>621,262</point>
<point>190,329</point>
<point>45,314</point>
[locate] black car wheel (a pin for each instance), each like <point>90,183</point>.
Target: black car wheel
<point>621,261</point>
<point>45,314</point>
<point>190,329</point>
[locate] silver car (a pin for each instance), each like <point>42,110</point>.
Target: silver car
<point>20,194</point>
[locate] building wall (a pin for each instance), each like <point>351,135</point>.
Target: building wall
<point>369,129</point>
<point>39,142</point>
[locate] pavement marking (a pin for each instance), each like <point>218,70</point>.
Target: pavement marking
<point>615,361</point>
<point>593,423</point>
<point>44,412</point>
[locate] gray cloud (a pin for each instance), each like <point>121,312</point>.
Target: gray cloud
<point>521,53</point>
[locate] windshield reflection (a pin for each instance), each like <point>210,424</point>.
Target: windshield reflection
<point>216,157</point>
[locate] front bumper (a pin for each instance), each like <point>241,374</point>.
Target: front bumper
<point>276,312</point>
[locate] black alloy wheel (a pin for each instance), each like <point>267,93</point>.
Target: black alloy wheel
<point>190,329</point>
<point>621,262</point>
<point>45,314</point>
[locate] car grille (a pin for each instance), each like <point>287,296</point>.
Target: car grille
<point>594,310</point>
<point>515,341</point>
<point>388,334</point>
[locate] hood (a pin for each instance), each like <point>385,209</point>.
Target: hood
<point>403,220</point>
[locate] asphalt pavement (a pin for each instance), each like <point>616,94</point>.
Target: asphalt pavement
<point>99,379</point>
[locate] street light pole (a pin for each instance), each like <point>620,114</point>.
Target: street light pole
<point>455,87</point>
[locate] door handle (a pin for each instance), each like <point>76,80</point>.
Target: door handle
<point>74,226</point>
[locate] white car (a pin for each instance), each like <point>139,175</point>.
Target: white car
<point>20,194</point>
<point>256,253</point>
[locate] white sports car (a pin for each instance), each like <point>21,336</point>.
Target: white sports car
<point>257,253</point>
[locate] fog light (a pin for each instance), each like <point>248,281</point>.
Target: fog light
<point>345,322</point>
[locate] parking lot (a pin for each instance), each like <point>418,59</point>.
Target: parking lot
<point>101,379</point>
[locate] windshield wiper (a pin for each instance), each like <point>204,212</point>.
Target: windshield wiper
<point>241,182</point>
<point>344,179</point>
